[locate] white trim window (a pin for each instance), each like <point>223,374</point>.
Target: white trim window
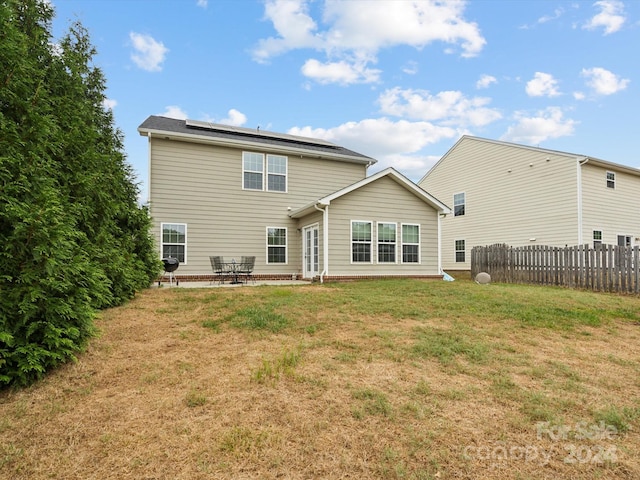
<point>611,180</point>
<point>252,171</point>
<point>624,240</point>
<point>276,245</point>
<point>173,241</point>
<point>361,235</point>
<point>276,173</point>
<point>458,204</point>
<point>270,176</point>
<point>460,251</point>
<point>410,243</point>
<point>597,238</point>
<point>387,242</point>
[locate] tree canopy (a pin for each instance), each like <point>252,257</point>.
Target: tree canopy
<point>73,238</point>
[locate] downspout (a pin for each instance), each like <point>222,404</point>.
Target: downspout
<point>149,174</point>
<point>440,243</point>
<point>579,164</point>
<point>325,240</point>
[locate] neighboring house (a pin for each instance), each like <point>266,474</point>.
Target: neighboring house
<point>519,195</point>
<point>303,207</point>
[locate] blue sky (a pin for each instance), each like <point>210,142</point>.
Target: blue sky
<point>397,80</point>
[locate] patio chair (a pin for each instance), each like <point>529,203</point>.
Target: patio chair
<point>246,268</point>
<point>220,272</point>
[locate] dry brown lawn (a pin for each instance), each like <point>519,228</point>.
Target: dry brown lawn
<point>180,385</point>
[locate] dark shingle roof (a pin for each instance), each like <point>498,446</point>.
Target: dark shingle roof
<point>213,132</point>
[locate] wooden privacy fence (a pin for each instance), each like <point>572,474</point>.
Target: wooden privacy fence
<point>606,268</point>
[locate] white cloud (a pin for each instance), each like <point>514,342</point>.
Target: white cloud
<point>485,81</point>
<point>611,16</point>
<point>392,143</point>
<point>235,118</point>
<point>148,53</point>
<point>411,68</point>
<point>545,124</point>
<point>339,72</point>
<point>448,107</point>
<point>604,82</point>
<point>542,85</point>
<point>579,95</point>
<point>173,111</point>
<point>109,104</point>
<point>356,31</point>
<point>203,3</point>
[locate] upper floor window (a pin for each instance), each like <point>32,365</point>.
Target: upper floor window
<point>460,251</point>
<point>386,242</point>
<point>458,204</point>
<point>269,175</point>
<point>174,241</point>
<point>597,237</point>
<point>410,243</point>
<point>360,242</point>
<point>611,180</point>
<point>276,245</point>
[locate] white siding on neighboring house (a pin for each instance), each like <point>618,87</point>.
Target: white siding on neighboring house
<point>513,195</point>
<point>613,211</point>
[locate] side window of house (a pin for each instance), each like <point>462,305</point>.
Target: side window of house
<point>360,242</point>
<point>386,243</point>
<point>597,238</point>
<point>611,180</point>
<point>410,243</point>
<point>174,241</point>
<point>255,170</point>
<point>276,245</point>
<point>460,250</point>
<point>624,240</point>
<point>458,204</point>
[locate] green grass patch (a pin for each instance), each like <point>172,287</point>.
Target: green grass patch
<point>447,344</point>
<point>259,318</point>
<point>284,364</point>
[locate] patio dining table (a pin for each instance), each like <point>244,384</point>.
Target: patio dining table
<point>233,268</point>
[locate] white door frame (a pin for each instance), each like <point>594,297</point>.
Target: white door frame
<point>311,251</point>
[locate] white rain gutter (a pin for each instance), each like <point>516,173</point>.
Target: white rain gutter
<point>325,240</point>
<point>579,164</point>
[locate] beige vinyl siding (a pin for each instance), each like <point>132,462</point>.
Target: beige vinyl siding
<point>201,185</point>
<point>381,201</point>
<point>512,195</point>
<point>613,211</point>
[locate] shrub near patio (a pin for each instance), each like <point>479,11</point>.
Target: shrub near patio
<point>375,379</point>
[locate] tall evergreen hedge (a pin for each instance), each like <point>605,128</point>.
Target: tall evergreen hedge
<point>73,238</point>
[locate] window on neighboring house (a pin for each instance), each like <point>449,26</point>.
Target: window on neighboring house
<point>254,174</point>
<point>611,180</point>
<point>174,241</point>
<point>460,251</point>
<point>276,245</point>
<point>386,243</point>
<point>410,243</point>
<point>360,242</point>
<point>624,240</point>
<point>597,237</point>
<point>458,204</point>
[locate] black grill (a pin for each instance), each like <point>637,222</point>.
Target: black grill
<point>170,266</point>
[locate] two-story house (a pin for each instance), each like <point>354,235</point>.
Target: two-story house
<point>503,192</point>
<point>303,207</point>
